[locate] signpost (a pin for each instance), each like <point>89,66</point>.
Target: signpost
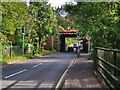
<point>78,51</point>
<point>88,39</point>
<point>23,32</point>
<point>11,38</point>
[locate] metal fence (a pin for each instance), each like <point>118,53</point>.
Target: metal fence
<point>6,50</point>
<point>107,66</point>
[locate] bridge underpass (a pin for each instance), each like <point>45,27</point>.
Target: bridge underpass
<point>64,34</point>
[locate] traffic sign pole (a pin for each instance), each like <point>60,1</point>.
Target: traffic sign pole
<point>88,39</point>
<point>88,46</point>
<point>78,51</point>
<point>23,44</point>
<point>23,32</point>
<point>11,39</point>
<point>11,50</point>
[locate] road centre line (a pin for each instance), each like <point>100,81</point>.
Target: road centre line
<point>16,73</point>
<point>37,65</point>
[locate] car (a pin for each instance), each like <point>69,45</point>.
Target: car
<point>76,45</point>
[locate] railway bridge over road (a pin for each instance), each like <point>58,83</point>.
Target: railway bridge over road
<point>64,34</point>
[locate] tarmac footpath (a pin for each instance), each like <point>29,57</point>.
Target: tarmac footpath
<point>81,75</point>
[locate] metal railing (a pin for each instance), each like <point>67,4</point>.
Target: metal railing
<point>107,66</point>
<point>6,50</point>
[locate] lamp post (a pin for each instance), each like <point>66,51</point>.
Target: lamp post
<point>23,32</point>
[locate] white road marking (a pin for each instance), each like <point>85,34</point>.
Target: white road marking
<point>47,84</point>
<point>37,65</point>
<point>16,73</point>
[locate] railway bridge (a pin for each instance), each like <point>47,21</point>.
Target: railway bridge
<point>64,34</point>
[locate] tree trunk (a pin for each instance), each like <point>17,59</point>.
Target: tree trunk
<point>52,44</point>
<point>40,43</point>
<point>42,48</point>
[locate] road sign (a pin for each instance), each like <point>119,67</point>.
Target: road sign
<point>11,37</point>
<point>87,38</point>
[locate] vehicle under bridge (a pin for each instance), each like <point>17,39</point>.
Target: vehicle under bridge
<point>64,34</point>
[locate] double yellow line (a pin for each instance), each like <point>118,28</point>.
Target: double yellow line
<point>63,76</point>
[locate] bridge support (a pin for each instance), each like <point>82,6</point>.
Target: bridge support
<point>62,43</point>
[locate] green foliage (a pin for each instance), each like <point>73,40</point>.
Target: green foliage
<point>98,19</point>
<point>18,56</point>
<point>44,22</point>
<point>13,16</point>
<point>39,21</point>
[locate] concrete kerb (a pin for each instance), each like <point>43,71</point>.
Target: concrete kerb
<point>65,74</point>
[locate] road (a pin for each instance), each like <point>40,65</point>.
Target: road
<point>41,72</point>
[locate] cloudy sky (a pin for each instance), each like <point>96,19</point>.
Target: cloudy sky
<point>56,3</point>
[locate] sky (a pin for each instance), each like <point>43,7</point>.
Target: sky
<point>56,3</point>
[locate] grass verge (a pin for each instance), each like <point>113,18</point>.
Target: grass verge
<point>18,57</point>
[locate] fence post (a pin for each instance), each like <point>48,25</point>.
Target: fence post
<point>115,63</point>
<point>95,59</point>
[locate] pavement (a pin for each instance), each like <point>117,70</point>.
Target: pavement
<point>81,74</point>
<point>40,72</point>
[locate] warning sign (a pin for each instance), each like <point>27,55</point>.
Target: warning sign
<point>11,37</point>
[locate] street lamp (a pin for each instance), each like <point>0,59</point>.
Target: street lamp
<point>23,32</point>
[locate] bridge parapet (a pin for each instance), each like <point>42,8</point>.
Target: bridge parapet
<point>107,66</point>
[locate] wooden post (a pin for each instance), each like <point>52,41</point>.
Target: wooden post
<point>115,63</point>
<point>95,59</point>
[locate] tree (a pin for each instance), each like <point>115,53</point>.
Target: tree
<point>99,19</point>
<point>13,16</point>
<point>44,22</point>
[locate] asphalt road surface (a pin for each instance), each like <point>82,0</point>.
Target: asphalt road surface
<point>41,72</point>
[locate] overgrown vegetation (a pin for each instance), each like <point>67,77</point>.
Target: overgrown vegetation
<point>17,56</point>
<point>38,18</point>
<point>100,20</point>
<point>40,23</point>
